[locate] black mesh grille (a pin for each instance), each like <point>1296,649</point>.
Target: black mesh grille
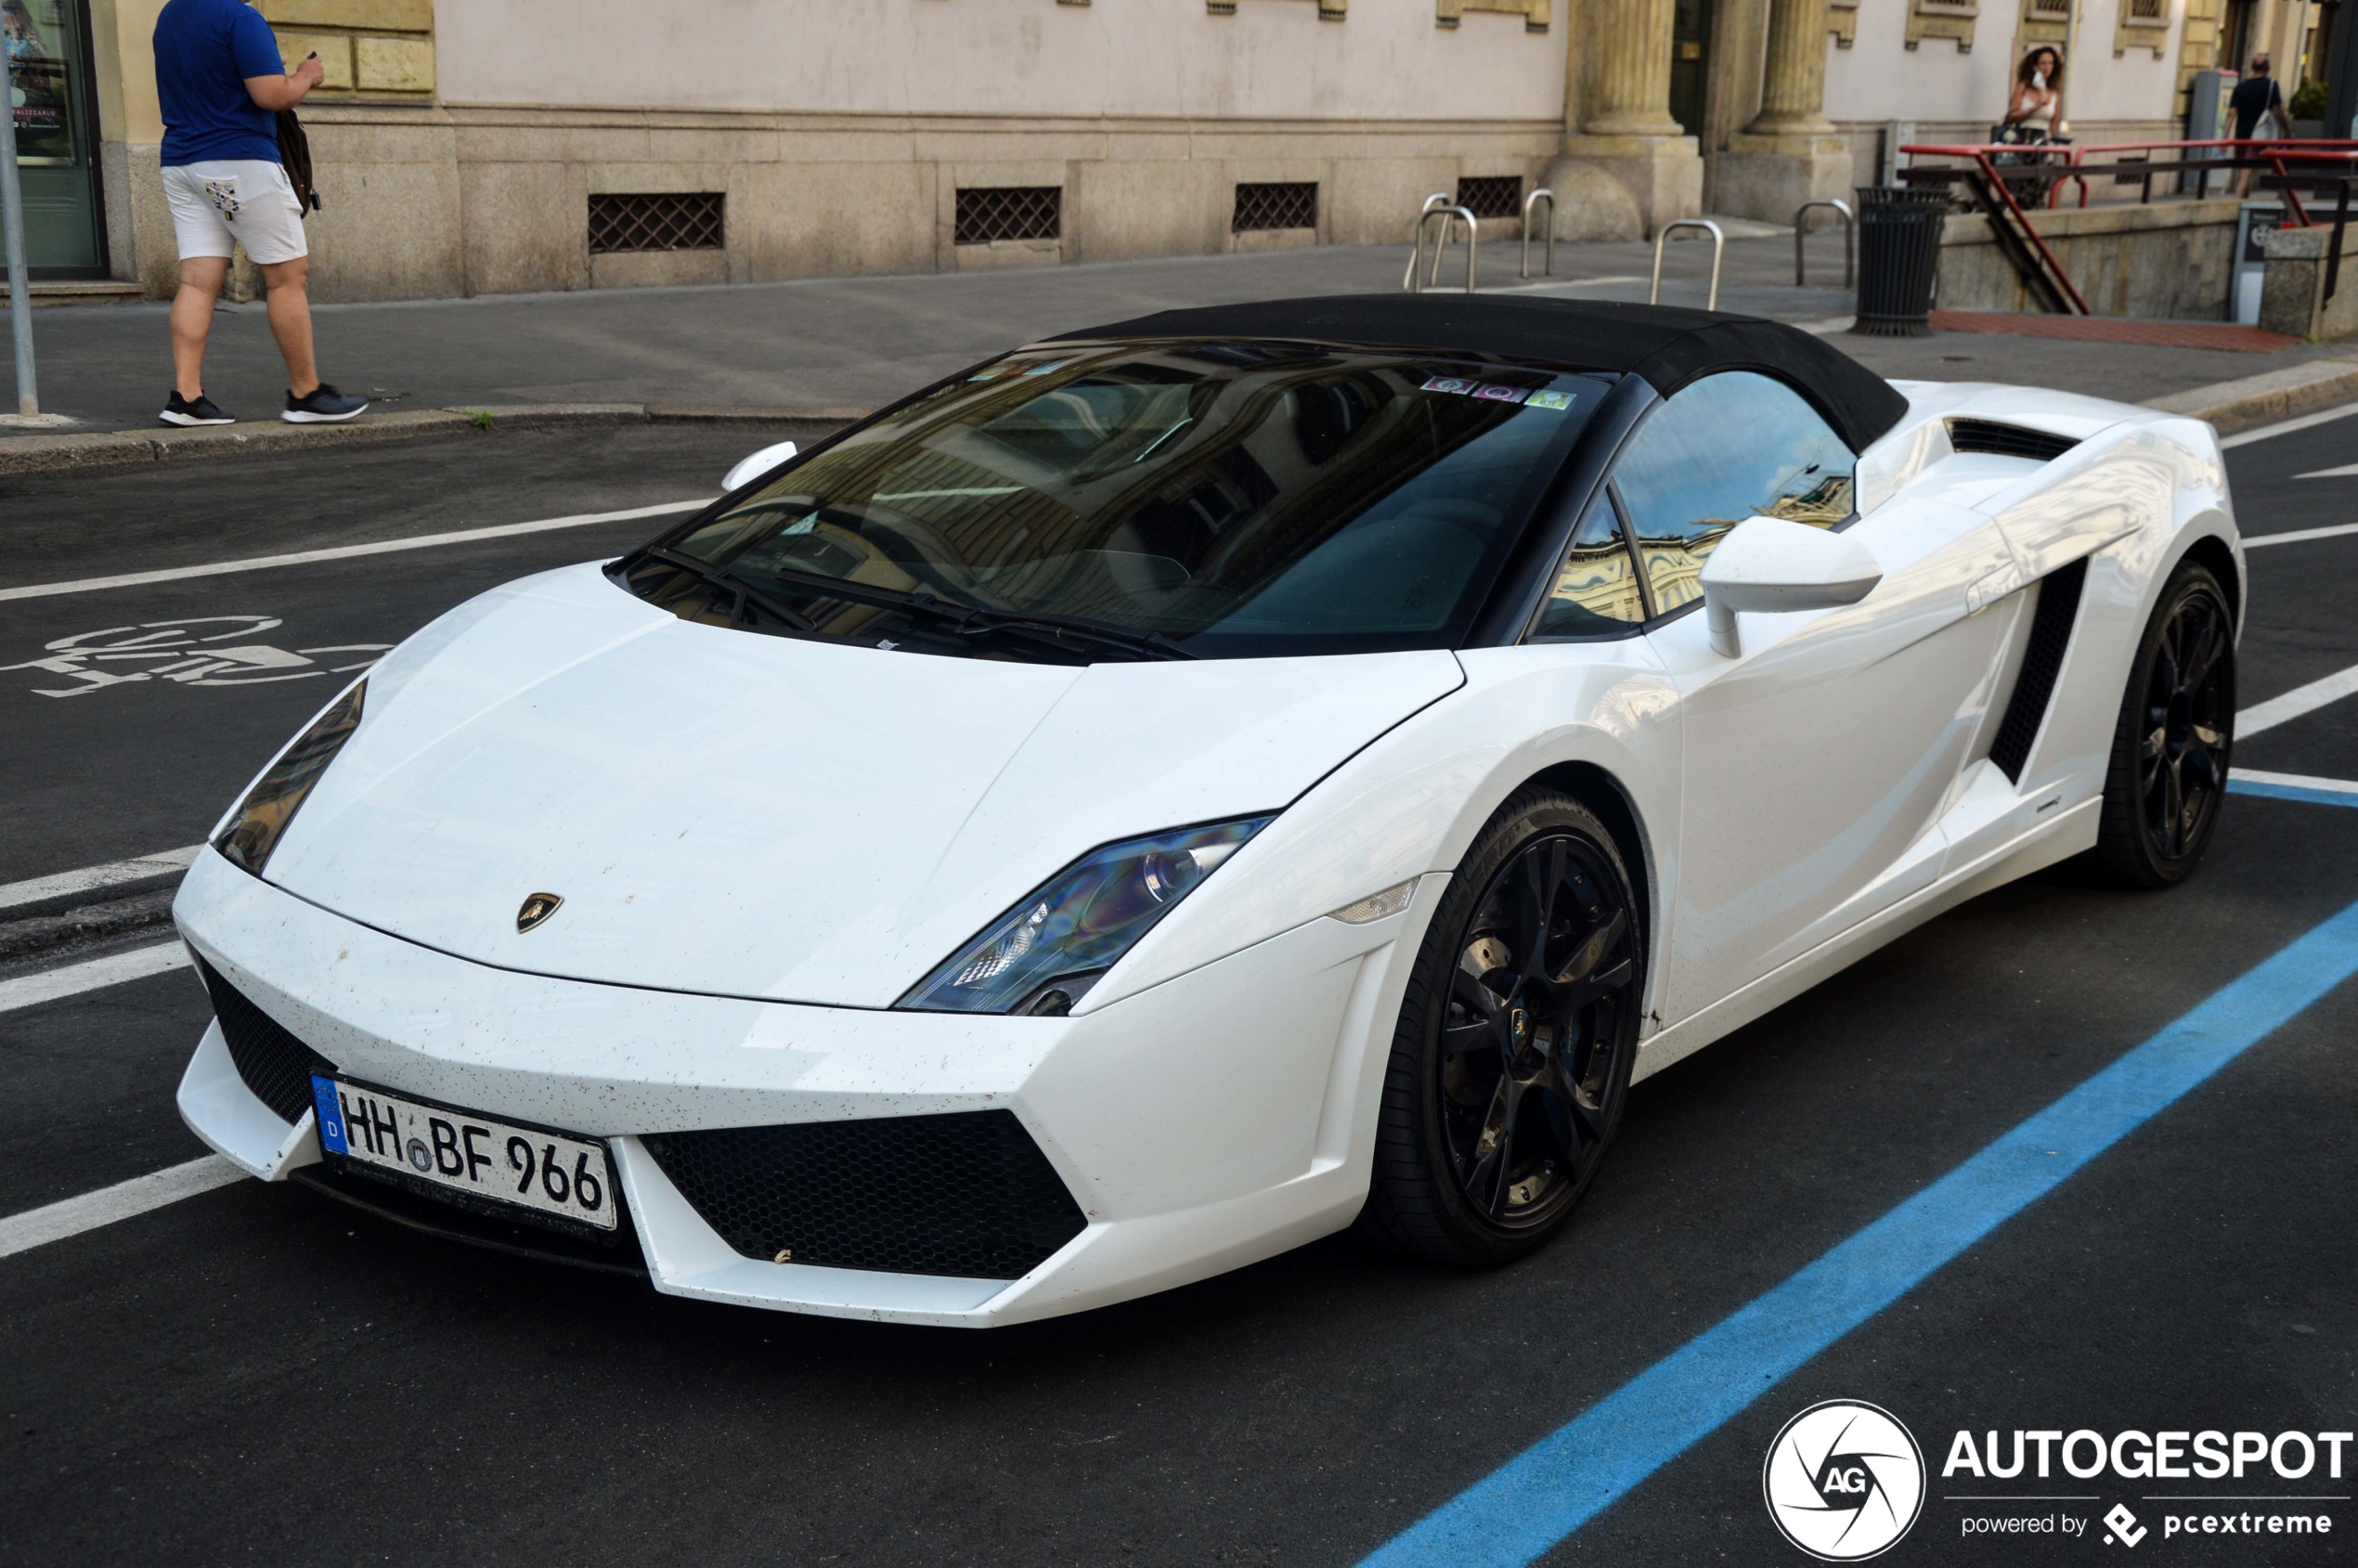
<point>662,220</point>
<point>968,1194</point>
<point>2007,440</point>
<point>1276,206</point>
<point>2041,662</point>
<point>1012,212</point>
<point>1492,196</point>
<point>275,1065</point>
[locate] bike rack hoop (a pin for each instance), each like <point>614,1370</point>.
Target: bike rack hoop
<point>1719,248</point>
<point>1528,202</point>
<point>1448,214</point>
<point>1849,238</point>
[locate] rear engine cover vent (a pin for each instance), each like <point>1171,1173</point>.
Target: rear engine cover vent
<point>2007,440</point>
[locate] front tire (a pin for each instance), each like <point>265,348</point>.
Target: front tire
<point>2170,750</point>
<point>1510,1062</point>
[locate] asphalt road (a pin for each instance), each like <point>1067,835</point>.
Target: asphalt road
<point>255,1374</point>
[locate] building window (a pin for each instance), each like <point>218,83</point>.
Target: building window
<point>664,220</point>
<point>1952,19</point>
<point>2142,24</point>
<point>1291,205</point>
<point>1010,212</point>
<point>1491,195</point>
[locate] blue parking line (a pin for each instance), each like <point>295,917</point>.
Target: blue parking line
<point>2290,792</point>
<point>1567,1478</point>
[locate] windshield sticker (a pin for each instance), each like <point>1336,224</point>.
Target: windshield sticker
<point>992,374</point>
<point>1051,365</point>
<point>1491,392</point>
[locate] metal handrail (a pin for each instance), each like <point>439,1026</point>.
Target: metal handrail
<point>1441,243</point>
<point>2062,162</point>
<point>1719,248</point>
<point>1528,202</point>
<point>1850,239</point>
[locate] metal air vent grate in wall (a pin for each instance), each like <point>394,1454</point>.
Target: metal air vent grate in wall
<point>665,220</point>
<point>1491,195</point>
<point>1012,212</point>
<point>2007,440</point>
<point>1293,205</point>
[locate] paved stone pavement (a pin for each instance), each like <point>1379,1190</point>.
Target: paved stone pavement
<point>859,342</point>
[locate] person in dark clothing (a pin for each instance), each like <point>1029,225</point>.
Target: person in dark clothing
<point>2255,95</point>
<point>220,82</point>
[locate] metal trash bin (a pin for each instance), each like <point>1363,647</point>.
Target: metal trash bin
<point>1898,258</point>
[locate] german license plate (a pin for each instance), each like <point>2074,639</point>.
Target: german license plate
<point>530,1167</point>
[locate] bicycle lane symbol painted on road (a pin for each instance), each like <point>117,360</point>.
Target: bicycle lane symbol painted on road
<point>181,651</point>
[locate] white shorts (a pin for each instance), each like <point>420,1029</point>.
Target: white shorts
<point>238,200</point>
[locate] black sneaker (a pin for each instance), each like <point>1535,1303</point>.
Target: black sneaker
<point>324,406</point>
<point>201,411</point>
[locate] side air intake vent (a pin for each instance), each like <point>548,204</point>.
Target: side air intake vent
<point>2041,662</point>
<point>2007,440</point>
<point>968,1194</point>
<point>275,1065</point>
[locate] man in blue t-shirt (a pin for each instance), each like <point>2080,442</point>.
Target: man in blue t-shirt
<point>221,84</point>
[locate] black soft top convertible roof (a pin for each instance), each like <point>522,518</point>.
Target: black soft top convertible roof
<point>1667,347</point>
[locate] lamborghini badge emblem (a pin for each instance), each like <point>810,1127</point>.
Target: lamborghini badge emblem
<point>537,908</point>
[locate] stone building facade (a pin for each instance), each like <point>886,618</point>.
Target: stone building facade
<point>472,147</point>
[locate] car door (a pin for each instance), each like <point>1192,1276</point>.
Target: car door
<point>1817,764</point>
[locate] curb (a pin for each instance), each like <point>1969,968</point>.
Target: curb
<point>52,454</point>
<point>2252,401</point>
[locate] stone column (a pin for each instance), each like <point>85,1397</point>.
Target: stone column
<point>1633,69</point>
<point>1793,92</point>
<point>1629,168</point>
<point>1788,154</point>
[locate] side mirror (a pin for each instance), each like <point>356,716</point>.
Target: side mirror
<point>758,464</point>
<point>1771,563</point>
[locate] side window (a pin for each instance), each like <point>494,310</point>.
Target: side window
<point>1595,591</point>
<point>1730,446</point>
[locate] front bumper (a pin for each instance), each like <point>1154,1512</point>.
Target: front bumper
<point>1200,1125</point>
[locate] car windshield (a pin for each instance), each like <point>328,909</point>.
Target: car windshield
<point>1167,500</point>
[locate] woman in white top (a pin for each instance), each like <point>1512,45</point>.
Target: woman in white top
<point>2037,87</point>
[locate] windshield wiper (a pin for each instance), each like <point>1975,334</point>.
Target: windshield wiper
<point>972,619</point>
<point>745,593</point>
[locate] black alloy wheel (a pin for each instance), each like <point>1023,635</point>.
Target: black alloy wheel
<point>2169,769</point>
<point>1511,1060</point>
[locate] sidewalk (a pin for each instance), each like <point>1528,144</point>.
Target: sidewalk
<point>837,343</point>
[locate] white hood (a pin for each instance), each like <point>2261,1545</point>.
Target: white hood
<point>758,816</point>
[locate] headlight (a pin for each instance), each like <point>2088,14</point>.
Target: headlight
<point>1043,956</point>
<point>271,804</point>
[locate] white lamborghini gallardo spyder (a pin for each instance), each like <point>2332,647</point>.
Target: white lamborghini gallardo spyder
<point>1196,784</point>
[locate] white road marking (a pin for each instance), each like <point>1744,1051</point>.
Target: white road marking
<point>90,878</point>
<point>345,552</point>
<point>2306,421</point>
<point>2253,541</point>
<point>2344,471</point>
<point>71,1216</point>
<point>2297,780</point>
<point>2293,704</point>
<point>91,974</point>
